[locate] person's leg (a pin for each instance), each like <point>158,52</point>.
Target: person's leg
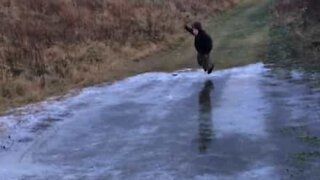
<point>206,62</point>
<point>209,65</point>
<point>201,60</point>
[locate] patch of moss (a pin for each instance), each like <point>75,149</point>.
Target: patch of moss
<point>306,156</point>
<point>310,139</point>
<point>302,134</point>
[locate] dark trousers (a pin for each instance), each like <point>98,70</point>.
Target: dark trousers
<point>204,61</point>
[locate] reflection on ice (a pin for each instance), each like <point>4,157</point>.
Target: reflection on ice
<point>205,121</point>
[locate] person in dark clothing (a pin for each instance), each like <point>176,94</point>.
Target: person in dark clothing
<point>203,45</point>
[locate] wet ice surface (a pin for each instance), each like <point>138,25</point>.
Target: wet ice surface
<point>242,123</point>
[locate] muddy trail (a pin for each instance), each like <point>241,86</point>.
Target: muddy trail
<point>250,122</point>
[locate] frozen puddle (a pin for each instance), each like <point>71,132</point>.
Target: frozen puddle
<point>185,125</point>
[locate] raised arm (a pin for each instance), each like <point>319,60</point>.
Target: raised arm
<point>189,29</point>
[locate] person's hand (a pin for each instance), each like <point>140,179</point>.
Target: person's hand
<point>187,27</point>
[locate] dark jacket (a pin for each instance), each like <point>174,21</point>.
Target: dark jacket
<point>202,42</point>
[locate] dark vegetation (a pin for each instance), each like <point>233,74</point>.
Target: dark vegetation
<point>295,34</point>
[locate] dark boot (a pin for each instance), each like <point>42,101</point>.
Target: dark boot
<point>204,69</point>
<point>210,69</point>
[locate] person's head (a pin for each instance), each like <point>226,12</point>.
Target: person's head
<point>196,27</point>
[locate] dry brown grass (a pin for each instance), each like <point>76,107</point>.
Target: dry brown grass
<point>49,46</point>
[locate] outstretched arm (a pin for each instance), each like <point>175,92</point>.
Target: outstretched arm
<point>189,29</point>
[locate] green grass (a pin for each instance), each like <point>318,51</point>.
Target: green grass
<point>241,35</point>
<point>306,156</point>
<point>302,133</point>
<point>311,142</point>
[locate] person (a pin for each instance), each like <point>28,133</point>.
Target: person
<point>203,45</point>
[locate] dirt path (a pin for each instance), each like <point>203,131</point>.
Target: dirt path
<point>240,37</point>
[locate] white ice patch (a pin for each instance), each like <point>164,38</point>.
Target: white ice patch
<point>261,173</point>
<point>242,104</point>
